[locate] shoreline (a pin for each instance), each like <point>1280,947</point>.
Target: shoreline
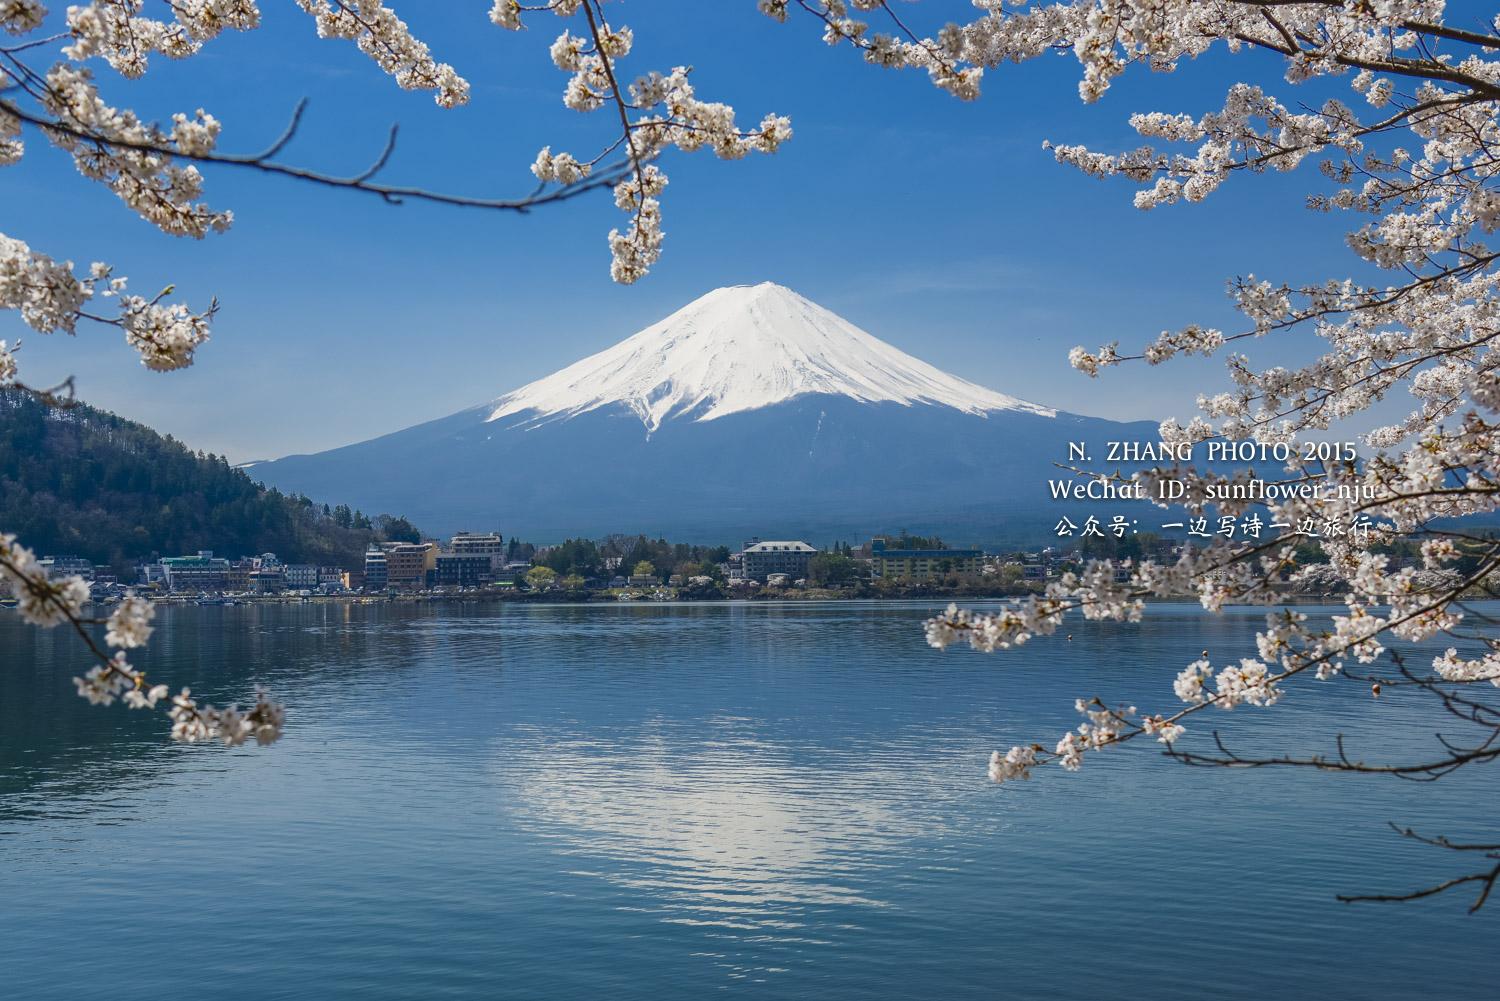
<point>606,598</point>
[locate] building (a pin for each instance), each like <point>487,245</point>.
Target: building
<point>267,580</point>
<point>203,572</point>
<point>375,569</point>
<point>300,576</point>
<point>238,577</point>
<point>761,559</point>
<point>331,577</point>
<point>477,544</point>
<point>463,569</point>
<point>66,566</point>
<point>487,544</point>
<point>922,564</point>
<point>407,564</point>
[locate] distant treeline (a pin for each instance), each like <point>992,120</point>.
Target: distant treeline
<point>586,558</point>
<point>82,482</point>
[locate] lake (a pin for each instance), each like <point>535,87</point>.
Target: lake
<point>669,801</point>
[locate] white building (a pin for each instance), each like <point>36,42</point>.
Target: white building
<point>300,575</point>
<point>66,566</point>
<point>477,544</point>
<point>762,559</point>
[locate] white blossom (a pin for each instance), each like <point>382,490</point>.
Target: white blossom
<point>130,622</point>
<point>1189,685</point>
<point>1452,667</point>
<point>1069,752</point>
<point>40,599</point>
<point>46,293</point>
<point>506,14</point>
<point>145,698</point>
<point>1015,763</point>
<point>195,724</point>
<point>1249,682</point>
<point>21,16</point>
<point>1164,730</point>
<point>387,40</point>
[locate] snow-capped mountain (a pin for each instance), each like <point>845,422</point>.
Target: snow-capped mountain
<point>741,348</point>
<point>750,411</point>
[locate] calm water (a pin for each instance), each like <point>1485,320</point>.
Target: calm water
<point>664,802</point>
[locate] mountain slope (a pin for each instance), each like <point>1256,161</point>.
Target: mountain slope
<point>745,348</point>
<point>749,412</point>
<point>83,482</point>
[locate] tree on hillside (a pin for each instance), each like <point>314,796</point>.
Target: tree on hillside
<point>115,492</point>
<point>396,529</point>
<point>1409,152</point>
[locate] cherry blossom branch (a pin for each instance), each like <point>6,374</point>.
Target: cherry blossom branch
<point>363,181</point>
<point>1467,710</point>
<point>1485,879</point>
<point>47,602</point>
<point>1250,682</point>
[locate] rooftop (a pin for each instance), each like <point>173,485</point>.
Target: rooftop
<point>787,546</point>
<point>920,554</point>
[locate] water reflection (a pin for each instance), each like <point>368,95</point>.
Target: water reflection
<point>732,834</point>
<point>662,803</point>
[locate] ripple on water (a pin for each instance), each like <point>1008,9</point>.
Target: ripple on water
<point>670,801</point>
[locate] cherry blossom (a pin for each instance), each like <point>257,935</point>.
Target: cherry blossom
<point>130,622</point>
<point>386,39</point>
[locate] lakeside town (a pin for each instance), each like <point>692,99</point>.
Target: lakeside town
<point>620,567</point>
<point>626,568</point>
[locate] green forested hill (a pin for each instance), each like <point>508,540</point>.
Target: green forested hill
<point>82,482</point>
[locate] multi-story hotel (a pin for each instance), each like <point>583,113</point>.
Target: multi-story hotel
<point>67,566</point>
<point>375,569</point>
<point>407,564</point>
<point>920,564</point>
<point>477,544</point>
<point>203,572</point>
<point>761,559</point>
<point>300,576</point>
<point>463,569</point>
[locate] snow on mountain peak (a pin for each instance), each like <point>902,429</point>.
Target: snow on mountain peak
<point>743,348</point>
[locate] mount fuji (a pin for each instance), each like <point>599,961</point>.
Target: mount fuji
<point>750,411</point>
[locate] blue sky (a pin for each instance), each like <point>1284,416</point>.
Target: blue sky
<point>939,226</point>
